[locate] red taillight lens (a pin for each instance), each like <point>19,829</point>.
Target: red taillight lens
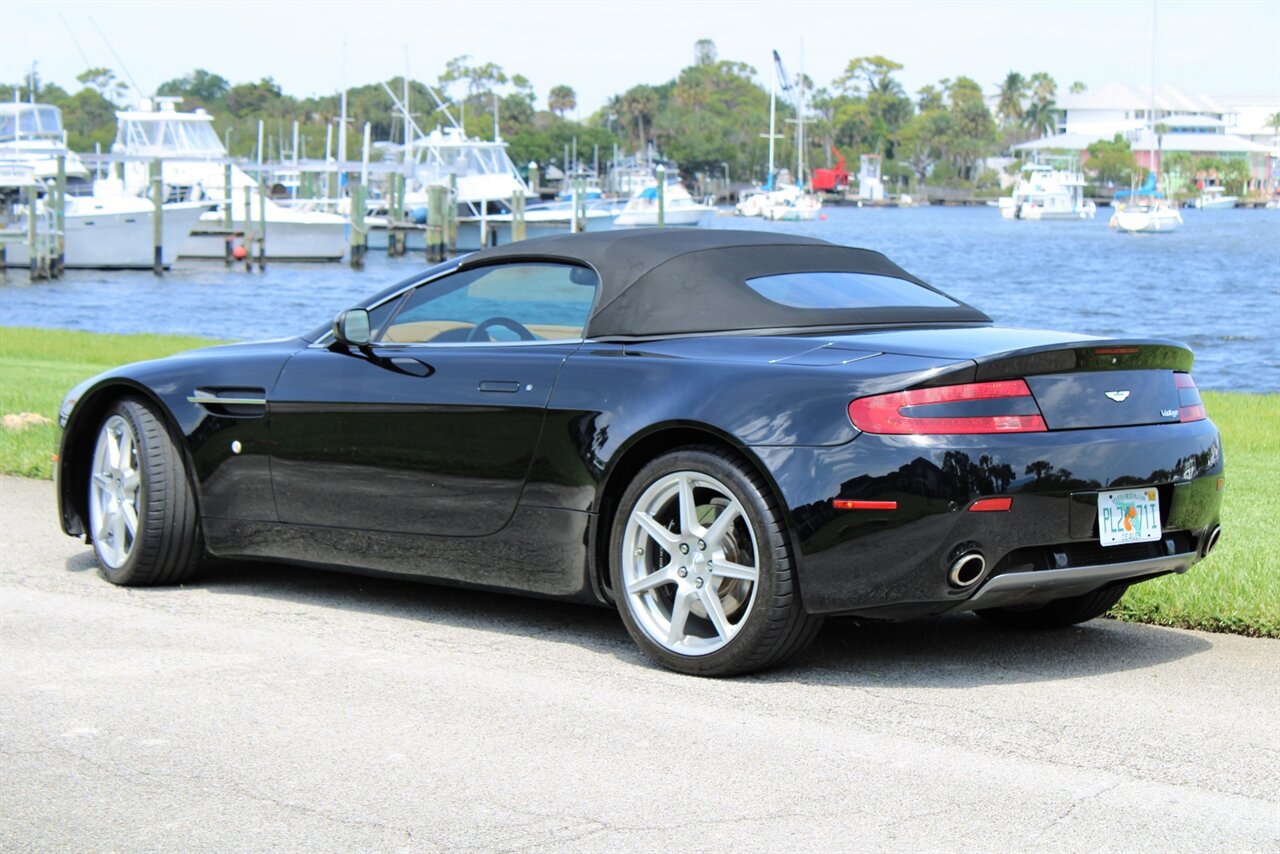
<point>999,407</point>
<point>1190,407</point>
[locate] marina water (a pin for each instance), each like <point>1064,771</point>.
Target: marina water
<point>1214,285</point>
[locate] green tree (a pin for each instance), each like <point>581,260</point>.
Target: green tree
<point>104,82</point>
<point>1078,87</point>
<point>969,133</point>
<point>1010,95</point>
<point>202,87</point>
<point>1041,117</point>
<point>1111,161</point>
<point>1043,87</point>
<point>704,52</point>
<point>640,105</point>
<point>246,100</point>
<point>561,100</point>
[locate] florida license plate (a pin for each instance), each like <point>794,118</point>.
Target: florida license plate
<point>1128,516</point>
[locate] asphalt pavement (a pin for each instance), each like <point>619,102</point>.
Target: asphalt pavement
<point>271,708</point>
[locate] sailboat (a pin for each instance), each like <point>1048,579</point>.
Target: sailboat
<point>772,201</point>
<point>1148,211</point>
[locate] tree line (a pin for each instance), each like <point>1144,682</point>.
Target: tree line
<point>712,118</point>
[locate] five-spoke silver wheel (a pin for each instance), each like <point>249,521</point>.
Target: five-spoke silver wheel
<point>690,563</point>
<point>116,496</point>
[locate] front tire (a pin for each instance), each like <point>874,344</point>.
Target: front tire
<point>142,511</point>
<point>1059,613</point>
<point>702,570</point>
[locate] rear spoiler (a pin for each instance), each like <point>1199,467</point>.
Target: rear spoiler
<point>1118,354</point>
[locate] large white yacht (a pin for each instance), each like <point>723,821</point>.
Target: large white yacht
<point>102,229</point>
<point>1043,192</point>
<point>193,159</point>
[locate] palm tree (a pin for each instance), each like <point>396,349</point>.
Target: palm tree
<point>1043,87</point>
<point>641,103</point>
<point>1041,117</point>
<point>561,100</point>
<point>1010,96</point>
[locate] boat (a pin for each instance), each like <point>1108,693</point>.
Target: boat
<point>1046,193</point>
<point>33,134</point>
<point>193,170</point>
<point>1213,199</point>
<point>1145,210</point>
<point>102,229</point>
<point>791,205</point>
<point>678,207</point>
<point>776,200</point>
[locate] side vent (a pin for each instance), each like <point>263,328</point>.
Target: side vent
<point>231,402</point>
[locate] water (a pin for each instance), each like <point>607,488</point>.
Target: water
<point>1214,285</point>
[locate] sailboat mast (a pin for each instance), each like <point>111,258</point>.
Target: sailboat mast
<point>773,101</point>
<point>800,123</point>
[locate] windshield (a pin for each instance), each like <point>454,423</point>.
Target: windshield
<point>168,136</point>
<point>29,121</point>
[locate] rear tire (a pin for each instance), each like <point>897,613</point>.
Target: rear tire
<point>702,569</point>
<point>142,511</point>
<point>1060,612</point>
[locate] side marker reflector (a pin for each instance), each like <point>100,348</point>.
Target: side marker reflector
<point>844,504</point>
<point>991,505</point>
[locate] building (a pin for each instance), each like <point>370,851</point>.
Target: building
<point>1225,128</point>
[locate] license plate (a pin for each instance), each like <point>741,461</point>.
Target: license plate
<point>1128,516</point>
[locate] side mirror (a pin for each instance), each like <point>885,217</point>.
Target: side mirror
<point>351,327</point>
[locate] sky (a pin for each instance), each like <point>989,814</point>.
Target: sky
<point>1206,47</point>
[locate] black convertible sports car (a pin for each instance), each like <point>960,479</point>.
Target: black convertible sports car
<point>727,435</point>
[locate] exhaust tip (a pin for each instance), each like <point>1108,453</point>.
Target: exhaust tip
<point>1211,541</point>
<point>967,570</point>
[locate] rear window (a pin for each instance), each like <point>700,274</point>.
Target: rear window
<point>845,290</point>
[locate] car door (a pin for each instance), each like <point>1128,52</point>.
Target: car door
<point>432,427</point>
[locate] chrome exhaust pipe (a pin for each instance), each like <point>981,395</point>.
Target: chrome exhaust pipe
<point>1211,541</point>
<point>967,570</point>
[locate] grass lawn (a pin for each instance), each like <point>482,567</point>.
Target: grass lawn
<point>1235,590</point>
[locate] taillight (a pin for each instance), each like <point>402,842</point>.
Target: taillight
<point>997,407</point>
<point>1190,408</point>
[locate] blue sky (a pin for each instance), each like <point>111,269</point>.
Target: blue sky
<point>601,48</point>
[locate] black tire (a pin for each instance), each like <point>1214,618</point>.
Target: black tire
<point>166,546</point>
<point>772,624</point>
<point>1060,612</point>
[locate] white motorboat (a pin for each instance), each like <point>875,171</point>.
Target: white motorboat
<point>101,229</point>
<point>1214,199</point>
<point>1046,193</point>
<point>678,207</point>
<point>193,170</point>
<point>117,233</point>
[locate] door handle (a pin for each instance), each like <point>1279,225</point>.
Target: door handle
<point>502,386</point>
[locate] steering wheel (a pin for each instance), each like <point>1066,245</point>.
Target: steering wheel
<point>480,332</point>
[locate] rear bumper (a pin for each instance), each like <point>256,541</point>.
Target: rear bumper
<point>1028,588</point>
<point>893,564</point>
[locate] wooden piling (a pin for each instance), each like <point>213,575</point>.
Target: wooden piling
<point>60,255</point>
<point>157,217</point>
<point>533,176</point>
<point>226,212</point>
<point>358,242</point>
<point>262,225</point>
<point>435,223</point>
<point>248,229</point>
<point>517,216</point>
<point>451,216</point>
<point>33,253</point>
<point>661,174</point>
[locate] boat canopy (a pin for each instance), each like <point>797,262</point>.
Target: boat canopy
<point>1148,188</point>
<point>30,121</point>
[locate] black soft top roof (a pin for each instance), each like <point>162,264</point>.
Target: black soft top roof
<point>660,282</point>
